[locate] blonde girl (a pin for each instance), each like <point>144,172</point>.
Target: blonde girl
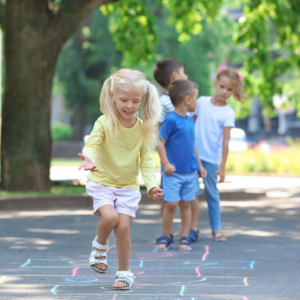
<point>118,145</point>
<point>214,119</point>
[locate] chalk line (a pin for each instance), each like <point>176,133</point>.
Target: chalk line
<point>206,252</point>
<point>114,297</point>
<point>141,273</point>
<point>53,289</point>
<point>182,290</point>
<point>2,279</point>
<point>27,262</point>
<point>74,271</point>
<point>246,281</point>
<point>112,246</point>
<point>252,264</point>
<point>245,298</point>
<point>198,272</point>
<point>141,264</point>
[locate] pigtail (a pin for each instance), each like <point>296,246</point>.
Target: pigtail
<point>150,114</point>
<point>239,92</point>
<point>108,108</point>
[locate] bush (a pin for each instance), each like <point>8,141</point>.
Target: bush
<point>284,161</point>
<point>61,132</point>
<point>281,161</point>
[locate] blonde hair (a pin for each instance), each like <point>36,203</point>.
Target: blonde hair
<point>150,108</point>
<point>235,77</point>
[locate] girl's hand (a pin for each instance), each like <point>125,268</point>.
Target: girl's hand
<point>156,193</point>
<point>220,172</point>
<point>202,172</point>
<point>87,163</point>
<point>169,169</point>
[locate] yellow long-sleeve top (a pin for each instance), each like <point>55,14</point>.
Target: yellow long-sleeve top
<point>119,167</point>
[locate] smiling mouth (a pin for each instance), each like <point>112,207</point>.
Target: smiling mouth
<point>127,112</point>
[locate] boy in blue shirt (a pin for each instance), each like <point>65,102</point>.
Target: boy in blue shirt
<point>180,161</point>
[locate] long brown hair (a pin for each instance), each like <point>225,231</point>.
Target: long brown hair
<point>238,85</point>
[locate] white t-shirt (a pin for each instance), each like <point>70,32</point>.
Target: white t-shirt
<point>209,128</point>
<point>166,106</point>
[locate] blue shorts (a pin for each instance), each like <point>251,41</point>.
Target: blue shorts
<point>179,186</point>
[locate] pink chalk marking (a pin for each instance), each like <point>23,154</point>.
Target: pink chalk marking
<point>245,298</point>
<point>198,272</point>
<point>114,297</point>
<point>206,248</point>
<point>74,271</point>
<point>112,246</point>
<point>141,273</point>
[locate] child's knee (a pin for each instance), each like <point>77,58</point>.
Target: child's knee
<point>185,204</point>
<point>122,228</point>
<point>171,206</point>
<point>111,219</point>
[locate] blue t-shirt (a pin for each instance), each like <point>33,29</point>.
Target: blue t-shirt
<point>179,134</point>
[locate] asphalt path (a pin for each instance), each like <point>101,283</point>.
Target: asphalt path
<point>44,255</point>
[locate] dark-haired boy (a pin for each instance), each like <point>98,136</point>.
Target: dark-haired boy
<point>180,161</point>
<point>165,72</point>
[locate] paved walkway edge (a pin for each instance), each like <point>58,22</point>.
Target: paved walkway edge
<point>28,203</point>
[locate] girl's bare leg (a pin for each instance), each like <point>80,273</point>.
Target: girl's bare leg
<point>108,222</point>
<point>123,244</point>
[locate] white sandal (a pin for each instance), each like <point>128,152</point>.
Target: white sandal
<point>124,276</point>
<point>94,255</point>
<point>218,235</point>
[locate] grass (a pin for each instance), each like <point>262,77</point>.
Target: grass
<point>55,191</point>
<point>66,162</point>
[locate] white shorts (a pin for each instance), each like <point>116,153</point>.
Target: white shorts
<point>124,200</point>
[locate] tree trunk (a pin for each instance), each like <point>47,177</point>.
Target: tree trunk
<point>30,54</point>
<point>78,117</point>
<point>34,35</point>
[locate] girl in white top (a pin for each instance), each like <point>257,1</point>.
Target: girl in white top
<point>118,146</point>
<point>214,119</point>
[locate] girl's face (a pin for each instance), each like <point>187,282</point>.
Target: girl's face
<point>225,88</point>
<point>128,100</point>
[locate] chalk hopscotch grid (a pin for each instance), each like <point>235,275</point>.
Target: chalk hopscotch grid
<point>203,265</point>
<point>183,285</point>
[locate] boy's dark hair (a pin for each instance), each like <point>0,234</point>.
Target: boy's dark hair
<point>164,70</point>
<point>179,89</point>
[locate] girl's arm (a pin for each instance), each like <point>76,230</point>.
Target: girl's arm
<point>169,169</point>
<point>202,171</point>
<point>148,171</point>
<point>221,171</point>
<point>89,152</point>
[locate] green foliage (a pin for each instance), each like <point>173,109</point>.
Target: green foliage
<point>87,59</point>
<point>270,30</point>
<point>89,56</point>
<point>61,132</point>
<point>134,29</point>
